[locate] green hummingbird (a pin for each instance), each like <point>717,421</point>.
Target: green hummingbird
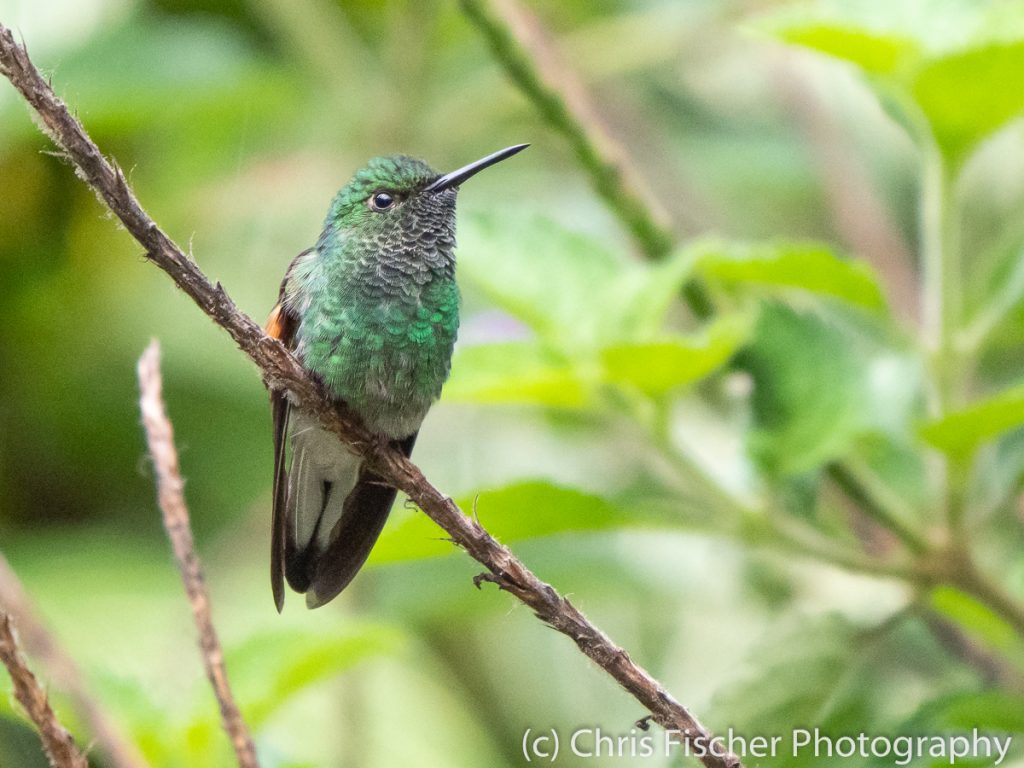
<point>372,312</point>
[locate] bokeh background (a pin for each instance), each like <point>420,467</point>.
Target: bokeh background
<point>801,509</point>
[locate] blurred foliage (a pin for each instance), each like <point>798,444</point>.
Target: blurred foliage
<point>745,503</point>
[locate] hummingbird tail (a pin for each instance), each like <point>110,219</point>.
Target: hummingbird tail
<point>335,511</point>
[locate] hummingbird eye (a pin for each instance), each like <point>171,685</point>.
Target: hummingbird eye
<point>381,201</point>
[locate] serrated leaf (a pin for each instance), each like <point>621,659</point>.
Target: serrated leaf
<point>967,95</point>
<point>960,433</point>
<point>873,51</point>
<point>518,511</point>
<point>658,367</point>
<point>514,372</point>
<point>804,266</point>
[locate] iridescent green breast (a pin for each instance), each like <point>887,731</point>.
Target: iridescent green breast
<point>386,353</point>
<point>376,299</point>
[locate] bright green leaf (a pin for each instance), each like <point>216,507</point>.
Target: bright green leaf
<point>658,367</point>
<point>804,266</point>
<point>872,51</point>
<point>519,511</point>
<point>960,433</point>
<point>976,619</point>
<point>968,95</point>
<point>514,372</point>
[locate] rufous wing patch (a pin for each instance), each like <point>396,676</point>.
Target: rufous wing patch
<point>275,325</point>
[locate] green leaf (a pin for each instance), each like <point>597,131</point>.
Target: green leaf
<point>648,298</point>
<point>658,367</point>
<point>570,289</point>
<point>873,51</point>
<point>19,743</point>
<point>993,713</point>
<point>514,372</point>
<point>978,620</point>
<point>991,710</point>
<point>808,390</point>
<point>804,266</point>
<point>519,511</point>
<point>960,433</point>
<point>967,95</point>
<point>270,669</point>
<point>798,677</point>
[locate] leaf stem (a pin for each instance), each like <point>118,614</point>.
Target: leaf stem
<point>869,501</point>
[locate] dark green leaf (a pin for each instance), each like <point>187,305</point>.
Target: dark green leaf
<point>808,390</point>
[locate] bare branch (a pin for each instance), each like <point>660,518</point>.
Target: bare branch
<point>61,668</point>
<point>57,742</point>
<point>170,492</point>
<point>281,370</point>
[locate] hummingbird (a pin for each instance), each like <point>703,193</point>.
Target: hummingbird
<point>371,311</point>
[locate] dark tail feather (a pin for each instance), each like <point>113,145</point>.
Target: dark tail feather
<point>365,512</point>
<point>280,409</point>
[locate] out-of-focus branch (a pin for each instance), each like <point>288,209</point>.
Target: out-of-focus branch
<point>280,369</point>
<point>61,668</point>
<point>860,217</point>
<point>57,742</point>
<point>521,45</point>
<point>993,668</point>
<point>170,492</point>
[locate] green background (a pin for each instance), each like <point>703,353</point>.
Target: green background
<point>773,509</point>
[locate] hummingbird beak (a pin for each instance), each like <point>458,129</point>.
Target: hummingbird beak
<point>455,178</point>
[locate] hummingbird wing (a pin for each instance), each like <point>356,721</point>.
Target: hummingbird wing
<point>328,508</point>
<point>281,325</point>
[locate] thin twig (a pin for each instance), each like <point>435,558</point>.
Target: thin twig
<point>993,668</point>
<point>57,742</point>
<point>62,669</point>
<point>281,370</point>
<point>170,491</point>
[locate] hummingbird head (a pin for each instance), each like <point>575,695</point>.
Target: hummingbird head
<point>401,203</point>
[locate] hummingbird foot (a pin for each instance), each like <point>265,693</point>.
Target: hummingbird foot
<point>480,578</point>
